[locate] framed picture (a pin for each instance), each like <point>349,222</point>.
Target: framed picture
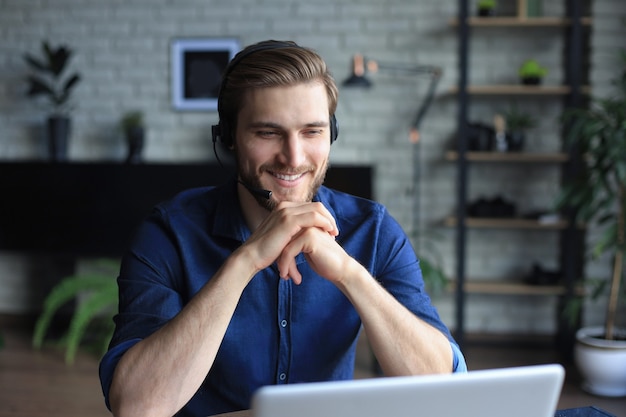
<point>197,67</point>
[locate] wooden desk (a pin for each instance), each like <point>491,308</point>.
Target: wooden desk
<point>585,411</point>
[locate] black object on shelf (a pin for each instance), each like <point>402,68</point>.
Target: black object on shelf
<point>480,137</point>
<point>541,276</point>
<point>496,207</point>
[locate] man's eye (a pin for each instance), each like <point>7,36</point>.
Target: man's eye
<point>314,132</point>
<point>267,133</point>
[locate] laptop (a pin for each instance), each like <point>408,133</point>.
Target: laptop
<point>527,391</point>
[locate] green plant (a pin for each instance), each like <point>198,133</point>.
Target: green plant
<point>431,261</point>
<point>49,79</point>
<point>487,4</point>
<point>435,278</point>
<point>598,192</point>
<point>132,120</point>
<point>517,120</point>
<point>99,299</point>
<point>531,69</point>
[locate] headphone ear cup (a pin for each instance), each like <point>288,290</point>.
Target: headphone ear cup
<point>220,133</point>
<point>225,136</point>
<point>216,133</point>
<point>334,129</point>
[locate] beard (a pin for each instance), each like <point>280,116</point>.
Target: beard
<point>271,203</point>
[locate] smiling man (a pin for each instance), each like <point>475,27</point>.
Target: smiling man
<point>283,142</point>
<point>270,278</point>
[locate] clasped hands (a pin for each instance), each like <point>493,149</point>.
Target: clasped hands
<point>293,228</point>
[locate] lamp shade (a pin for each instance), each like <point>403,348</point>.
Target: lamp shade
<point>357,81</point>
<point>357,77</point>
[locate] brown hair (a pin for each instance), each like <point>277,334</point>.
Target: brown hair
<point>270,64</point>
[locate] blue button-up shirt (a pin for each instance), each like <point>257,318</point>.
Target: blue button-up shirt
<point>280,332</point>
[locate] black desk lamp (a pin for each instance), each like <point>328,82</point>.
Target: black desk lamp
<point>361,66</point>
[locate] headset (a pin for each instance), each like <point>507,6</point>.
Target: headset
<point>221,132</point>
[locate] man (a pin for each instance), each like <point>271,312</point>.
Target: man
<point>268,279</point>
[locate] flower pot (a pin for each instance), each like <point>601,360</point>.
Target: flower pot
<point>515,140</point>
<point>59,128</point>
<point>486,11</point>
<point>531,80</point>
<point>135,142</point>
<point>601,362</point>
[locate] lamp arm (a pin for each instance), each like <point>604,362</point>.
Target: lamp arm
<point>426,103</point>
<point>361,65</point>
<point>420,69</point>
<point>435,75</point>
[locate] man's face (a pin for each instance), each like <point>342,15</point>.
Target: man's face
<point>282,141</point>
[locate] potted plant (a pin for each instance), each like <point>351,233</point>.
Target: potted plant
<point>133,127</point>
<point>598,196</point>
<point>486,8</point>
<point>531,72</point>
<point>48,79</point>
<point>97,295</point>
<point>517,123</point>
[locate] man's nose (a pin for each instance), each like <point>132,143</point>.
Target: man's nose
<point>292,151</point>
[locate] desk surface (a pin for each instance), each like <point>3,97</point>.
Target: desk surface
<point>588,411</point>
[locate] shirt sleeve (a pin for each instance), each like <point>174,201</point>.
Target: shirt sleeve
<point>397,269</point>
<point>458,360</point>
<point>148,298</point>
<point>108,364</point>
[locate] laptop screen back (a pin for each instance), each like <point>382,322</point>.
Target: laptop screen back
<point>530,391</point>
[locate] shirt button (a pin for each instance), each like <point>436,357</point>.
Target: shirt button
<point>283,323</point>
<point>282,376</point>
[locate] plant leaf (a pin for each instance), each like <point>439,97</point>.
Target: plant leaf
<point>38,86</point>
<point>35,63</point>
<point>97,302</point>
<point>63,292</point>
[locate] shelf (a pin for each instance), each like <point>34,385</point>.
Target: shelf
<point>514,223</point>
<point>522,22</point>
<point>570,31</point>
<point>519,89</point>
<point>521,157</point>
<point>511,288</point>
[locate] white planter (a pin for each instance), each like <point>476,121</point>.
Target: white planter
<point>602,363</point>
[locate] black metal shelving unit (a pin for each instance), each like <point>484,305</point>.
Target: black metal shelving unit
<point>574,25</point>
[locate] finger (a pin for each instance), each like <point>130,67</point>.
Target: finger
<point>290,271</point>
<point>334,230</point>
<point>295,274</point>
<point>280,227</point>
<point>307,242</point>
<point>309,215</point>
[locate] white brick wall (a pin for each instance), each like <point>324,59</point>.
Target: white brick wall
<point>122,50</point>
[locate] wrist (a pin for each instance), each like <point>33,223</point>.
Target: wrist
<point>353,273</point>
<point>241,263</point>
